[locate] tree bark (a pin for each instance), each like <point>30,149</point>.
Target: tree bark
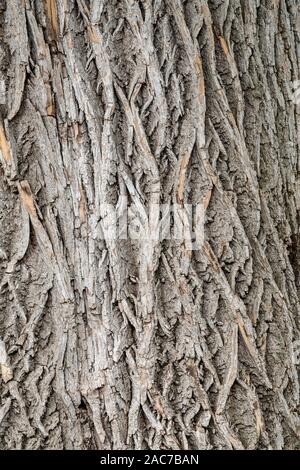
<point>141,340</point>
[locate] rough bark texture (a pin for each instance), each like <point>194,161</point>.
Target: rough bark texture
<point>141,344</point>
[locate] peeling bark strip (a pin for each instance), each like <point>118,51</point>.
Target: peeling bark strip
<point>51,13</point>
<point>144,341</point>
<point>4,146</point>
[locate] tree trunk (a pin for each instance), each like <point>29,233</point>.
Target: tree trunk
<point>149,250</point>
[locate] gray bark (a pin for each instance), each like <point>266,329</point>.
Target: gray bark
<point>149,343</point>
